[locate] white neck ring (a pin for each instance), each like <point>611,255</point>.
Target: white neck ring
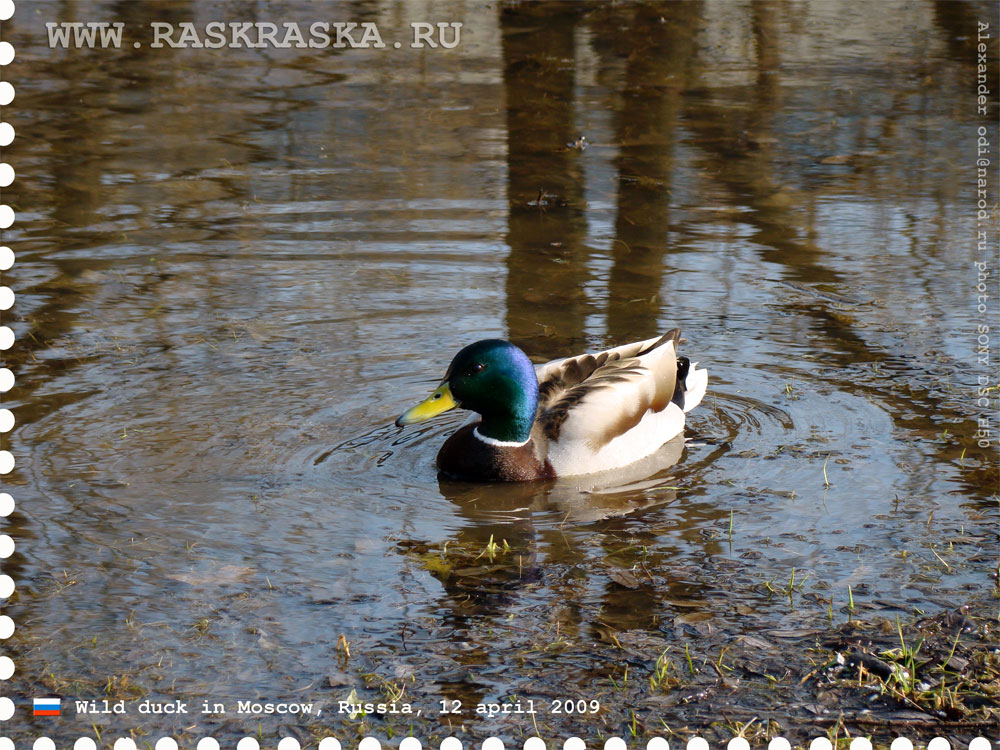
<point>497,443</point>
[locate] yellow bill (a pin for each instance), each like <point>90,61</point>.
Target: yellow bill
<point>437,403</point>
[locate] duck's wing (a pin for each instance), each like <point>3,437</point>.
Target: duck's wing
<point>572,370</point>
<point>594,398</point>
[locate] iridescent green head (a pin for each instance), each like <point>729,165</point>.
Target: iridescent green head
<point>492,378</point>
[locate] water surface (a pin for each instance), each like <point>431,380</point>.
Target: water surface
<point>237,267</point>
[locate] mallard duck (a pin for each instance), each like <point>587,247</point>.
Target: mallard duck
<point>572,416</point>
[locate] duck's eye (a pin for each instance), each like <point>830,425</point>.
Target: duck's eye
<point>476,369</point>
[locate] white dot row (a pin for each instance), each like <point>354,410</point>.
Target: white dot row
<point>7,666</point>
<point>6,335</point>
<point>493,743</point>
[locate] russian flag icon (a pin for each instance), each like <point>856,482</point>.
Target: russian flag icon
<point>47,706</point>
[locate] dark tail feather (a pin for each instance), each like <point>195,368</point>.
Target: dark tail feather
<point>683,368</point>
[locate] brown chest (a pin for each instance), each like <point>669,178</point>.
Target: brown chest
<point>465,456</point>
